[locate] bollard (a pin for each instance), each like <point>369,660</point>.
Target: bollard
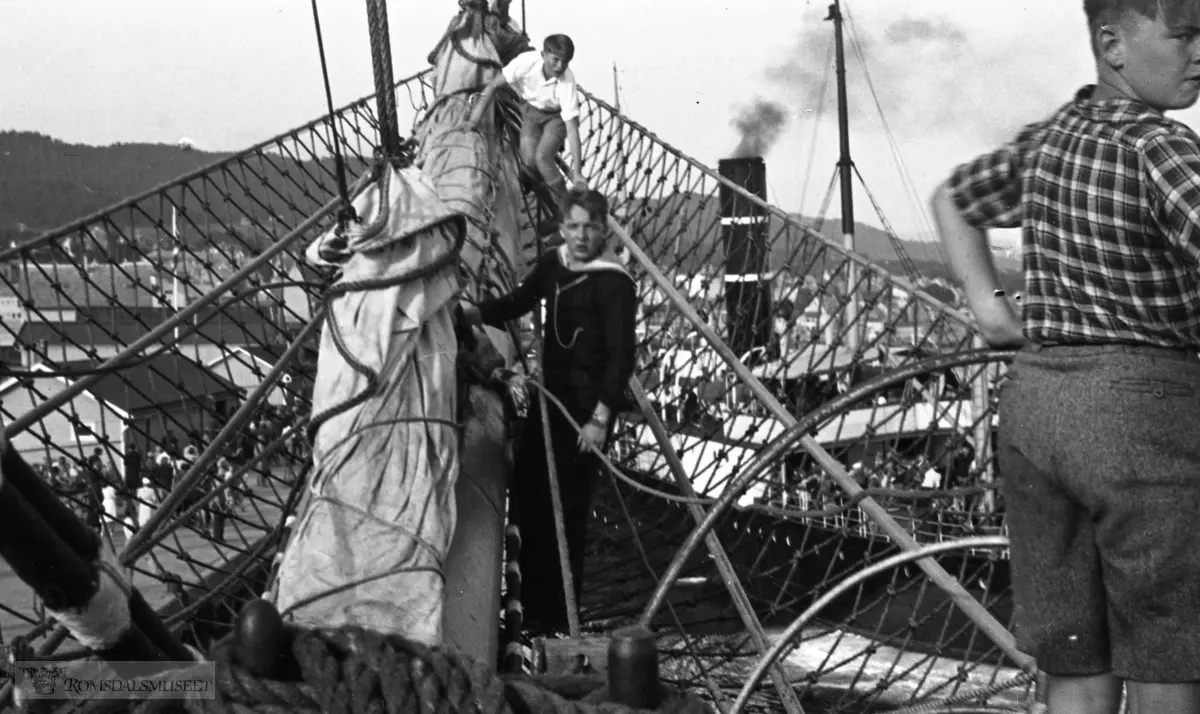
<point>261,642</point>
<point>633,668</point>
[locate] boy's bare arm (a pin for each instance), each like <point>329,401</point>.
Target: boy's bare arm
<point>576,151</point>
<point>485,101</point>
<point>971,262</point>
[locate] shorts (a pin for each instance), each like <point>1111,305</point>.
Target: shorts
<point>1099,451</point>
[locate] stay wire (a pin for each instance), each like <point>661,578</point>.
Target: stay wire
<point>347,212</point>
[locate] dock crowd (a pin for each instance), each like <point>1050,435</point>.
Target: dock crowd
<point>112,499</point>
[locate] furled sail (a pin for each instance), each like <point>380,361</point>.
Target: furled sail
<point>376,544</point>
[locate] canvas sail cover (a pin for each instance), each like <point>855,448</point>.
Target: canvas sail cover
<point>370,547</point>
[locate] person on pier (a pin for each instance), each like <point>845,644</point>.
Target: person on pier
<point>1099,417</point>
<point>588,358</point>
<point>550,111</point>
<point>133,480</point>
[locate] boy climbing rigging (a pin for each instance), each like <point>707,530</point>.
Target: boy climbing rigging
<point>1099,419</point>
<point>550,112</point>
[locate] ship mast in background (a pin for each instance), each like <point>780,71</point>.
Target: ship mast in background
<point>846,174</point>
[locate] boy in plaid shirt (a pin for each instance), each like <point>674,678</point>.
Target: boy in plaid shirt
<point>1099,443</point>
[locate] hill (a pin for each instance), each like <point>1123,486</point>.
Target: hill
<point>45,183</point>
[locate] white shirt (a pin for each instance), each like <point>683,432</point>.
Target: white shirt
<point>525,75</point>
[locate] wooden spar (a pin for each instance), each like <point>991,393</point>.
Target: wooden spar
<point>474,564</point>
<point>616,90</point>
<point>473,568</point>
<point>621,204</point>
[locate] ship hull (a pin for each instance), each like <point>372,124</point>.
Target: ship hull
<point>784,566</point>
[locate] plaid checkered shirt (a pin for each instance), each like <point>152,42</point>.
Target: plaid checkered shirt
<point>1107,195</point>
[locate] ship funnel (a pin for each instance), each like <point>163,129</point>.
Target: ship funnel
<point>744,227</point>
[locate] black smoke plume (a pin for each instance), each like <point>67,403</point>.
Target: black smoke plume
<point>759,125</point>
<point>928,75</point>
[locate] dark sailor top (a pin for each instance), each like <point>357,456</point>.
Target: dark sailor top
<point>590,344</point>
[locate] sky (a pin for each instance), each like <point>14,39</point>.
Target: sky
<point>952,78</point>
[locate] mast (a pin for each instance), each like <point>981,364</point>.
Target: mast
<point>25,297</point>
<point>846,172</point>
<point>175,257</point>
<point>622,195</point>
<point>616,90</point>
<point>621,159</point>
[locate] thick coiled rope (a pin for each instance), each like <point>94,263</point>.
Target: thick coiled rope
<point>352,670</point>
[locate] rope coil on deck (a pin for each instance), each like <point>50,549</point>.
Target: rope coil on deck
<point>354,670</point>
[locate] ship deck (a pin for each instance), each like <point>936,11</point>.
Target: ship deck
<point>840,655</point>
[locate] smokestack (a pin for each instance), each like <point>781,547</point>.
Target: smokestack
<point>744,226</point>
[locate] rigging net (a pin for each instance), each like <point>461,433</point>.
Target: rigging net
<point>238,294</point>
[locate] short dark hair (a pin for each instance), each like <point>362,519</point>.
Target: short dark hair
<point>560,45</point>
<point>590,200</point>
<point>1101,12</point>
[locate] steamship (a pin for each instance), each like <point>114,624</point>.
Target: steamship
<point>720,429</point>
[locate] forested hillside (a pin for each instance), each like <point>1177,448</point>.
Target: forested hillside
<point>45,183</point>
